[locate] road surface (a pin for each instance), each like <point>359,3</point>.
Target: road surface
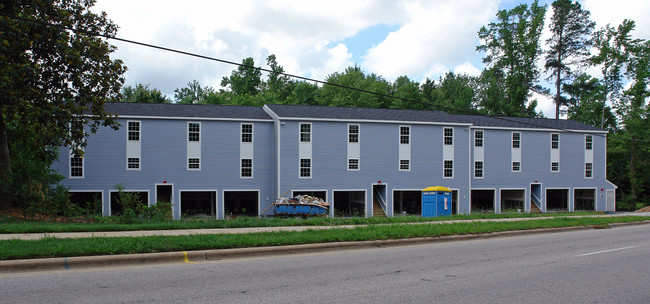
<point>590,266</point>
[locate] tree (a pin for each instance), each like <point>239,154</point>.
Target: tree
<point>611,45</point>
<point>354,77</point>
<point>512,47</point>
<point>141,93</point>
<point>409,95</point>
<point>193,93</point>
<point>246,79</point>
<point>456,93</point>
<point>55,81</point>
<point>277,83</point>
<point>569,44</point>
<point>583,102</point>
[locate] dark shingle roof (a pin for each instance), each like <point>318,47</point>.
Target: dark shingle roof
<point>324,112</point>
<point>185,110</point>
<point>526,123</point>
<point>338,113</point>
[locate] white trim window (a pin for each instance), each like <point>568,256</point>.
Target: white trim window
<point>478,169</point>
<point>404,165</point>
<point>246,168</point>
<point>516,166</point>
<point>76,166</point>
<point>589,142</point>
<point>133,130</point>
<point>516,140</point>
<point>478,138</point>
<point>448,134</point>
<point>405,135</point>
<point>193,163</point>
<point>305,132</point>
<point>353,164</point>
<point>589,167</point>
<point>555,141</point>
<point>194,131</point>
<point>133,163</point>
<point>305,168</point>
<point>555,166</point>
<point>246,133</point>
<point>448,169</point>
<point>353,133</point>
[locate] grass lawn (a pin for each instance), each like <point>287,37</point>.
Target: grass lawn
<point>52,247</point>
<point>15,225</point>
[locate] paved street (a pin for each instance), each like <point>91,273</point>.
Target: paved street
<point>591,266</point>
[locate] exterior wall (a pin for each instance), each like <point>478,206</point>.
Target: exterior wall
<point>379,160</point>
<point>536,165</point>
<point>164,159</point>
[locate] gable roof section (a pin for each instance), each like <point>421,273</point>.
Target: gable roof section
<point>176,111</point>
<point>358,114</point>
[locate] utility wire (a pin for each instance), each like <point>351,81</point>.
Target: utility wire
<point>94,34</point>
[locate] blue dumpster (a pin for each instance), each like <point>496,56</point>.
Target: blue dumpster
<point>436,201</point>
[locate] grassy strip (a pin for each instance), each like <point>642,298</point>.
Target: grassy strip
<point>52,247</point>
<point>8,225</point>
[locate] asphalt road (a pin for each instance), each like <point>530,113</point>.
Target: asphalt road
<point>590,266</point>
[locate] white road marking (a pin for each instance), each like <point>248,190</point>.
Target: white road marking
<point>605,251</point>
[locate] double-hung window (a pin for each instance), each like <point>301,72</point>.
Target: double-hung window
<point>353,164</point>
<point>305,168</point>
<point>305,132</point>
<point>404,135</point>
<point>353,134</point>
<point>589,167</point>
<point>247,133</point>
<point>448,170</point>
<point>194,131</point>
<point>516,140</point>
<point>134,130</point>
<point>478,138</point>
<point>449,136</point>
<point>76,166</point>
<point>478,169</point>
<point>589,142</point>
<point>246,168</point>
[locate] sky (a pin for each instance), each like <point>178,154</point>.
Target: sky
<point>417,38</point>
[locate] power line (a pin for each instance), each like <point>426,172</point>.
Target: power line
<point>94,34</point>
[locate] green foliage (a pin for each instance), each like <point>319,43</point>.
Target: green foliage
<point>246,79</point>
<point>141,93</point>
<point>50,76</point>
<point>569,44</point>
<point>512,47</point>
<point>194,93</point>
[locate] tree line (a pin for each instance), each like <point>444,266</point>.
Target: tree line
<point>52,77</point>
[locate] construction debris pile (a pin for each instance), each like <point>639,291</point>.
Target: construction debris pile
<point>303,199</point>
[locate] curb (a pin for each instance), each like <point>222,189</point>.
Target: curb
<point>30,265</point>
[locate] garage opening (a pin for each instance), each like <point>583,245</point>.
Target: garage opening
<point>164,193</point>
<point>454,201</point>
<point>350,203</point>
<point>90,203</point>
<point>483,201</point>
<point>198,204</point>
<point>407,202</point>
<point>585,199</point>
<point>557,200</point>
<point>512,201</point>
<point>127,200</point>
<point>241,203</point>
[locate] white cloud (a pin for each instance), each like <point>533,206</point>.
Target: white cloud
<point>437,33</point>
<point>467,68</point>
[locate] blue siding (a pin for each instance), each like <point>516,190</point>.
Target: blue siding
<point>163,158</point>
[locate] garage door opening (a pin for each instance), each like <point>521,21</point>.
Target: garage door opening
<point>483,201</point>
<point>241,203</point>
<point>164,193</point>
<point>557,200</point>
<point>407,202</point>
<point>512,201</point>
<point>89,202</point>
<point>127,200</point>
<point>197,204</point>
<point>585,199</point>
<point>349,203</point>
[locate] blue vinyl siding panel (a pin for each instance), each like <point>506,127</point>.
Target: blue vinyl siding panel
<point>164,158</point>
